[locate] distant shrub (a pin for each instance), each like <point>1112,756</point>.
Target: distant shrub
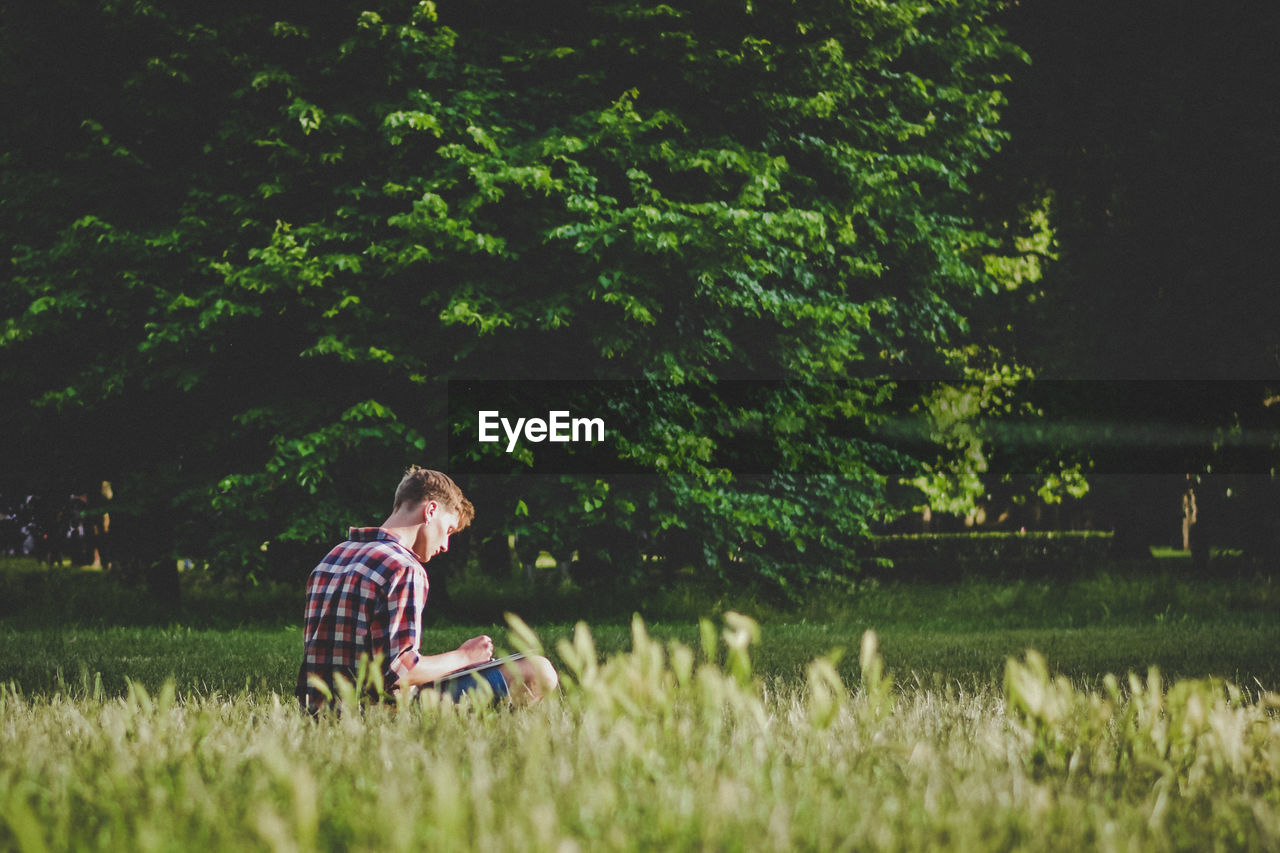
<point>946,556</point>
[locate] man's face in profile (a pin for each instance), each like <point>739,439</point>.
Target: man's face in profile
<point>433,536</point>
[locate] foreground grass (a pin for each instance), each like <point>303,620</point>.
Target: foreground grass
<point>123,728</point>
<point>666,745</point>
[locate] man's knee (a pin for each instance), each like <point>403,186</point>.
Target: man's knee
<point>537,676</point>
<point>545,674</point>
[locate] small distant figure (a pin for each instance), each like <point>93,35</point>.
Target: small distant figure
<point>366,599</point>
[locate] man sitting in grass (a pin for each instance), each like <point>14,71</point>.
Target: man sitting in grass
<point>365,601</point>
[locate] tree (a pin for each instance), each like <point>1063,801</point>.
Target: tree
<point>1145,133</point>
<point>249,247</point>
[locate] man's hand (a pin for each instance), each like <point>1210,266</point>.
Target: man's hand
<point>478,649</point>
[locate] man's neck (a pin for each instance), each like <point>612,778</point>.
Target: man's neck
<point>403,526</point>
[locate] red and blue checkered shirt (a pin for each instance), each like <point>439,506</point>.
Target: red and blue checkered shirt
<point>365,598</point>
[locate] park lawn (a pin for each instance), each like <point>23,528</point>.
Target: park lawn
<point>264,661</point>
<point>71,627</point>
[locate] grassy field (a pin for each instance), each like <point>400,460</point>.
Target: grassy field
<point>975,716</point>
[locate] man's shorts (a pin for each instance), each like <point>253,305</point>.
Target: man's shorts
<point>476,678</point>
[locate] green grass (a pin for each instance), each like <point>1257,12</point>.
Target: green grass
<point>666,746</point>
<point>59,626</point>
<point>128,728</point>
<point>264,661</point>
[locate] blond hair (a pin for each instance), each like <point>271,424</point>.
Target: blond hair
<point>423,484</point>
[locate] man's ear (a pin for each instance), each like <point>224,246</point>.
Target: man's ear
<point>429,509</point>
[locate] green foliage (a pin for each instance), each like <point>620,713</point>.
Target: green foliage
<point>259,245</point>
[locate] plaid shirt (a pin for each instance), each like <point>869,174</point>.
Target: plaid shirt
<point>365,598</point>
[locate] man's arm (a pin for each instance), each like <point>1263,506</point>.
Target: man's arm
<point>434,667</point>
